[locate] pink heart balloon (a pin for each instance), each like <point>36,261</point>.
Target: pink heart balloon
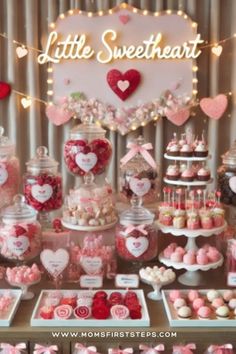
<point>124,19</point>
<point>178,117</point>
<point>214,107</point>
<point>57,115</point>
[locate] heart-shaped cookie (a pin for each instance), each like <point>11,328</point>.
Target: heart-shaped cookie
<point>123,84</point>
<point>214,107</point>
<point>57,115</point>
<point>177,117</point>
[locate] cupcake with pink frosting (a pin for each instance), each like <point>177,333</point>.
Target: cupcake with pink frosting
<point>186,150</point>
<point>203,174</point>
<point>187,175</point>
<point>201,149</point>
<point>173,173</point>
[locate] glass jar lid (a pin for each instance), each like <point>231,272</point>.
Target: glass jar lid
<point>88,127</point>
<point>41,161</point>
<point>229,158</point>
<point>137,214</point>
<point>6,146</point>
<point>18,211</point>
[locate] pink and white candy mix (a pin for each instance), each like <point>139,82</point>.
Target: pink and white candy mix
<point>5,301</point>
<point>95,257</point>
<point>23,274</point>
<point>9,179</point>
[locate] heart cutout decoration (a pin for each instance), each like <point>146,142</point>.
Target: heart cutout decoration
<point>21,52</point>
<point>58,115</point>
<point>26,102</point>
<point>232,184</point>
<point>55,262</point>
<point>137,246</point>
<point>86,161</point>
<point>91,265</point>
<point>123,84</point>
<point>5,90</point>
<point>217,50</point>
<point>214,107</point>
<point>3,175</point>
<point>177,117</point>
<point>124,19</point>
<point>140,187</point>
<point>18,245</point>
<point>41,193</point>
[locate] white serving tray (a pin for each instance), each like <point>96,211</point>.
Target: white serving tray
<point>191,233</point>
<point>195,183</point>
<point>183,158</point>
<point>36,321</point>
<point>5,321</point>
<point>88,228</point>
<point>193,267</point>
<point>174,321</point>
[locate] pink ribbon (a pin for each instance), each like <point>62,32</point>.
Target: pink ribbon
<point>219,349</point>
<point>12,349</point>
<point>41,349</point>
<point>151,350</point>
<point>184,349</point>
<point>86,350</point>
<point>140,228</point>
<point>120,351</point>
<point>141,149</point>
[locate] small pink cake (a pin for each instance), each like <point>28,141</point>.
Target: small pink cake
<point>189,258</point>
<point>203,174</point>
<point>178,303</point>
<point>213,255</point>
<point>193,220</point>
<point>186,150</point>
<point>217,302</point>
<point>176,257</point>
<point>204,312</point>
<point>228,295</point>
<point>198,303</point>
<point>192,295</point>
<point>187,175</point>
<point>202,259</point>
<point>173,173</point>
<point>175,294</point>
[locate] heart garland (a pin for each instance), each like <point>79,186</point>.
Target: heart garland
<point>214,107</point>
<point>5,90</point>
<point>58,115</point>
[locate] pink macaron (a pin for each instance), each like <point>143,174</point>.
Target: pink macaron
<point>198,303</point>
<point>192,295</point>
<point>175,294</point>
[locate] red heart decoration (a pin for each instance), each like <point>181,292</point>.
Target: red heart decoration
<point>100,147</point>
<point>123,84</point>
<point>177,117</point>
<point>5,90</point>
<point>124,19</point>
<point>214,107</point>
<point>57,115</point>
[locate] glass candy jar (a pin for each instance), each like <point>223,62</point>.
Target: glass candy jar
<point>87,150</point>
<point>89,207</point>
<point>42,182</point>
<point>136,235</point>
<point>20,232</point>
<point>138,173</point>
<point>227,176</point>
<point>9,170</point>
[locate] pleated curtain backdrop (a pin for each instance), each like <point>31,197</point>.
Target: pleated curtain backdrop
<point>27,21</point>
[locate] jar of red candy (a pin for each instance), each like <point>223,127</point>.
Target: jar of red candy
<point>9,170</point>
<point>87,150</point>
<point>20,232</point>
<point>42,182</point>
<point>227,176</point>
<point>138,173</point>
<point>136,235</point>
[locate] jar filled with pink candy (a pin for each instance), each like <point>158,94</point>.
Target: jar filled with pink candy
<point>136,235</point>
<point>20,232</point>
<point>94,256</point>
<point>9,170</point>
<point>138,173</point>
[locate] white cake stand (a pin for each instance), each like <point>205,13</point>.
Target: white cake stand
<point>156,294</point>
<point>192,276</point>
<point>88,228</point>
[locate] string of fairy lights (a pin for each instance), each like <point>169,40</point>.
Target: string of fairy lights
<point>22,49</point>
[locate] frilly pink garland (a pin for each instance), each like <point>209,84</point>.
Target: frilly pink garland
<point>127,118</point>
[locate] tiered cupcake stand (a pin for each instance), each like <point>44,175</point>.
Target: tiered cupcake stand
<point>192,276</point>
